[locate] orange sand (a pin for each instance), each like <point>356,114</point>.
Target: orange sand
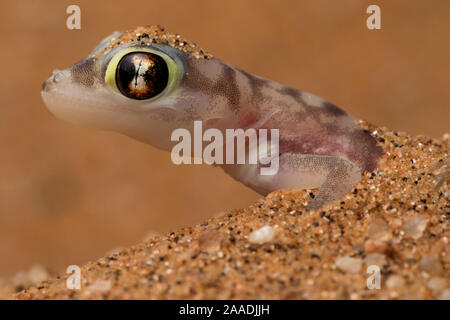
<point>395,218</point>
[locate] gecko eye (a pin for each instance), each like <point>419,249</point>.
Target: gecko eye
<point>141,73</point>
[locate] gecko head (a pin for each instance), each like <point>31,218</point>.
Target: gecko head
<point>141,83</point>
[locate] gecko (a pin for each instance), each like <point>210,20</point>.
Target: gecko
<point>147,82</point>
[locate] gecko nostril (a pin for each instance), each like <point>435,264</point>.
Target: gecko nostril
<point>57,76</point>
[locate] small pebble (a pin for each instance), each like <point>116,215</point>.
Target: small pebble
<point>37,273</point>
<point>34,275</point>
<point>395,282</point>
<point>210,241</point>
<point>436,284</point>
<point>374,245</point>
<point>377,259</point>
<point>430,265</point>
<point>262,235</point>
<point>415,226</point>
<point>379,230</point>
<point>445,295</point>
<point>349,264</point>
<point>100,286</point>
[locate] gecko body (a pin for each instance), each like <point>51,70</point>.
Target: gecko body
<point>146,83</point>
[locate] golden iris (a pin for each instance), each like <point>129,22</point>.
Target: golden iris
<point>141,75</point>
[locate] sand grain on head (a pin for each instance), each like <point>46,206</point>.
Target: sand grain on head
<point>159,35</point>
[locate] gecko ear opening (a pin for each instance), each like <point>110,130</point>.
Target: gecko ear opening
<point>141,73</point>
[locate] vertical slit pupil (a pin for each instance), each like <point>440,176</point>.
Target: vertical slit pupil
<point>141,75</point>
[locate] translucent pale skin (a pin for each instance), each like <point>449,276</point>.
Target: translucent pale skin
<point>320,144</point>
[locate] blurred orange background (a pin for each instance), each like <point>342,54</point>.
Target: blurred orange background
<point>69,194</point>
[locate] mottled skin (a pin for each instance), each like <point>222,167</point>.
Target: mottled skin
<point>320,144</point>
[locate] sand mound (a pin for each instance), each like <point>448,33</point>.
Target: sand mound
<point>395,219</point>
